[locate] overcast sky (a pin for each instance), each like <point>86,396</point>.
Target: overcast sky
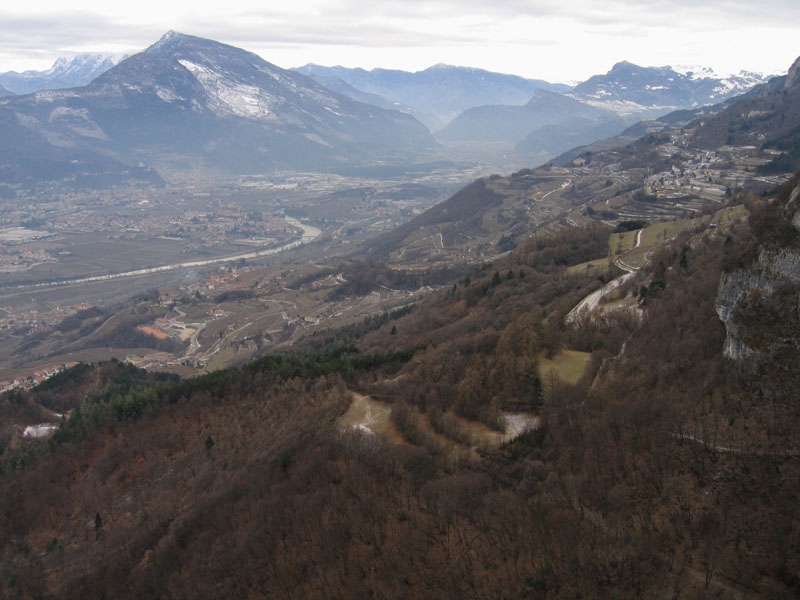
<point>556,40</point>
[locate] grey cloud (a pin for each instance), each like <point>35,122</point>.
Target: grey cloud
<point>403,24</point>
<point>60,33</point>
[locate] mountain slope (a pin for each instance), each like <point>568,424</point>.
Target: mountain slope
<point>65,73</point>
<point>5,92</point>
<point>764,116</point>
<point>340,86</point>
<point>513,123</point>
<point>438,93</point>
<point>549,140</point>
<point>664,469</point>
<point>190,99</point>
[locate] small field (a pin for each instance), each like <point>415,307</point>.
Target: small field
<point>569,365</point>
<point>369,416</point>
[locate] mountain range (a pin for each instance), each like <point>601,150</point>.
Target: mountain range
<point>630,88</point>
<point>65,73</point>
<point>439,93</point>
<point>597,108</point>
<point>512,123</point>
<point>187,100</point>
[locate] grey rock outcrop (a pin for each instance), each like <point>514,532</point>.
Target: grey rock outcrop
<point>773,270</point>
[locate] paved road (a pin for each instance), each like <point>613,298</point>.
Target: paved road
<point>590,302</point>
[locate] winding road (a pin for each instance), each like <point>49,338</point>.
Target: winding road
<point>590,302</point>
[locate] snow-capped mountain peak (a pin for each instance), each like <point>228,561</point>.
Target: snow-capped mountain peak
<point>665,87</point>
<point>188,98</point>
<point>65,72</point>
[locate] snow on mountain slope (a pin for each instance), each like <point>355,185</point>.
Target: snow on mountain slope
<point>191,99</point>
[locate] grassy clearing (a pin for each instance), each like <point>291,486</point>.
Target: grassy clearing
<point>364,412</point>
<point>619,243</point>
<point>593,267</point>
<point>729,216</point>
<point>221,359</point>
<point>569,365</point>
<point>660,232</point>
<point>490,223</point>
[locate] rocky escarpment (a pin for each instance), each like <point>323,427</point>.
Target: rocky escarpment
<point>760,304</point>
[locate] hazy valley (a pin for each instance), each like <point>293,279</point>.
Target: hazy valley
<point>331,332</point>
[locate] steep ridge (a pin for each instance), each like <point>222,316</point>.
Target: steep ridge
<point>754,301</point>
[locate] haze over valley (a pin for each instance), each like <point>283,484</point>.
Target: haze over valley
<point>333,331</point>
<point>239,159</point>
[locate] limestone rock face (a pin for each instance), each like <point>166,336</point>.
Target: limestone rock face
<point>776,271</point>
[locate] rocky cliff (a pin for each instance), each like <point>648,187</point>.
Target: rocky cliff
<point>760,303</point>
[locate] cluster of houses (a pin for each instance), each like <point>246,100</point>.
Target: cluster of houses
<point>35,321</point>
<point>34,378</point>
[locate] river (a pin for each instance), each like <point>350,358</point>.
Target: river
<point>310,233</point>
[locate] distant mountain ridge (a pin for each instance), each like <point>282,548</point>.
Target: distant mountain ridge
<point>438,93</point>
<point>512,123</point>
<point>657,87</point>
<point>191,100</point>
<point>600,107</point>
<point>65,73</point>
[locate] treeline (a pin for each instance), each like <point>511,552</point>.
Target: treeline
<point>349,334</point>
<point>363,278</point>
<point>789,159</point>
<point>77,320</point>
<point>232,295</point>
<point>570,246</point>
<point>128,393</point>
<point>130,336</point>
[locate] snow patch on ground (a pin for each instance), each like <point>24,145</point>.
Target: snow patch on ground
<point>514,425</point>
<point>621,107</point>
<point>78,120</point>
<point>695,72</point>
<point>363,429</point>
<point>317,139</point>
<point>37,432</point>
<point>53,95</point>
<point>167,95</point>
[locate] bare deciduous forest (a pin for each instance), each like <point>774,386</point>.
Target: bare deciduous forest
<point>667,470</point>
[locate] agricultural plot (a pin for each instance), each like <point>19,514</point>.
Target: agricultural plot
<point>568,365</point>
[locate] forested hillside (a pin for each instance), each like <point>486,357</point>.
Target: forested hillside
<point>663,468</point>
